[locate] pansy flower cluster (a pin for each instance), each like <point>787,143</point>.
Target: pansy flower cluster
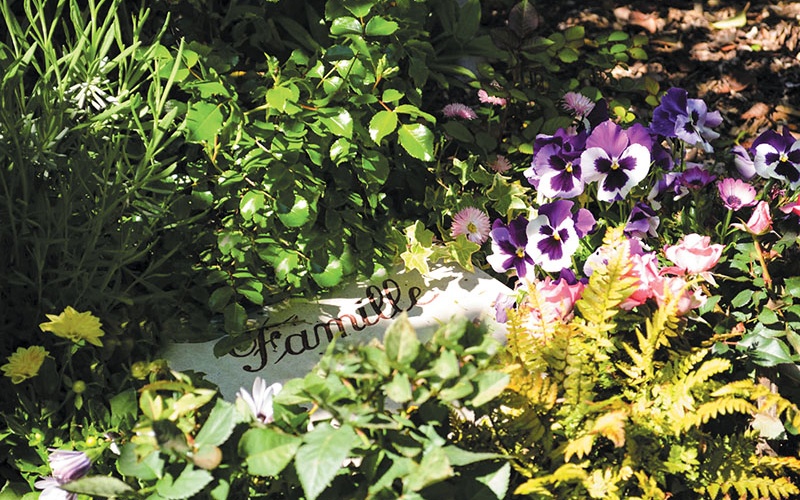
<point>597,160</point>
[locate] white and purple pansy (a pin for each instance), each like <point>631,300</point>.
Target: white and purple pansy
<point>616,158</point>
<point>557,166</point>
<point>684,118</point>
<point>553,236</point>
<point>777,156</point>
<point>508,247</point>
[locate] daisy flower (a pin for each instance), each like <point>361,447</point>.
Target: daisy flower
<point>485,98</point>
<point>458,110</point>
<point>75,326</point>
<point>472,223</point>
<point>577,104</point>
<point>736,194</point>
<point>24,363</point>
<point>500,164</point>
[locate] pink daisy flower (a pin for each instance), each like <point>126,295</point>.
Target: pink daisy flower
<point>472,223</point>
<point>458,110</point>
<point>578,104</point>
<point>736,193</point>
<point>485,98</point>
<point>500,164</point>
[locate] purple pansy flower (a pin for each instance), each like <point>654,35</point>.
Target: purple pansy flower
<point>554,235</point>
<point>616,159</point>
<point>642,222</point>
<point>743,162</point>
<point>556,166</point>
<point>508,247</point>
<point>777,156</point>
<point>696,177</point>
<point>684,118</point>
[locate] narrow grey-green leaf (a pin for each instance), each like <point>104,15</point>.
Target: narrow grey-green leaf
<point>98,486</point>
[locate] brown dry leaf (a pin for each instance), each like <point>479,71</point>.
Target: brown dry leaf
<point>757,110</point>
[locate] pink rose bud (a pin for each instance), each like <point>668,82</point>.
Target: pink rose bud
<point>760,222</point>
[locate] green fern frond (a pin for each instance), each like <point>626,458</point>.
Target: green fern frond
<point>609,285</point>
<point>757,487</point>
<point>777,463</point>
<point>566,474</point>
<point>712,409</point>
<point>707,370</point>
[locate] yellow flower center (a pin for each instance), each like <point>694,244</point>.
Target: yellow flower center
<point>568,167</point>
<point>784,157</point>
<point>614,165</point>
<point>520,252</point>
<point>556,237</point>
<point>472,228</point>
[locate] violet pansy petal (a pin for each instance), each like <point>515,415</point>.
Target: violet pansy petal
<point>610,137</point>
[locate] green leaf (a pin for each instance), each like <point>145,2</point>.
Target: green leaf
<point>402,344</point>
<point>460,457</point>
<point>252,290</point>
<point>235,317</point>
<point>187,485</point>
<point>268,451</point>
<point>490,385</point>
<point>382,124</point>
<point>617,36</point>
<point>345,25</point>
<point>416,257</point>
<point>220,298</point>
<point>331,275</point>
<point>219,425</point>
<point>320,457</point>
<point>203,122</point>
<point>251,203</point>
<point>283,98</point>
<point>434,468</point>
<point>392,95</point>
<point>338,121</point>
<point>298,215</point>
<point>417,140</point>
<point>568,55</point>
<point>101,486</point>
<point>458,131</point>
<point>461,250</point>
<point>146,468</point>
<point>378,26</point>
<point>399,389</point>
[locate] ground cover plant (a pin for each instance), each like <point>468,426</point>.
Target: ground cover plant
<point>169,168</point>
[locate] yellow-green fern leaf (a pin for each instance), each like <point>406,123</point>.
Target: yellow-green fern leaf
<point>609,284</point>
<point>712,409</point>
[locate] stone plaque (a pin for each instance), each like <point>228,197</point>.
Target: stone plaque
<point>290,339</point>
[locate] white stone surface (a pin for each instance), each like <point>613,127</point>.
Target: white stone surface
<point>293,336</point>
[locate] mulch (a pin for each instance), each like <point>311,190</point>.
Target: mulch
<point>748,70</point>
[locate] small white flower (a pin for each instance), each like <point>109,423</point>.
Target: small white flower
<point>260,401</point>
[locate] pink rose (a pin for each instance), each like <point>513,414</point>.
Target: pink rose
<point>645,268</point>
<point>693,254</point>
<point>760,222</point>
<point>560,296</point>
<point>677,287</point>
<point>791,208</point>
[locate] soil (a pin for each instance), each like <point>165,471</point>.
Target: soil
<point>742,59</point>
